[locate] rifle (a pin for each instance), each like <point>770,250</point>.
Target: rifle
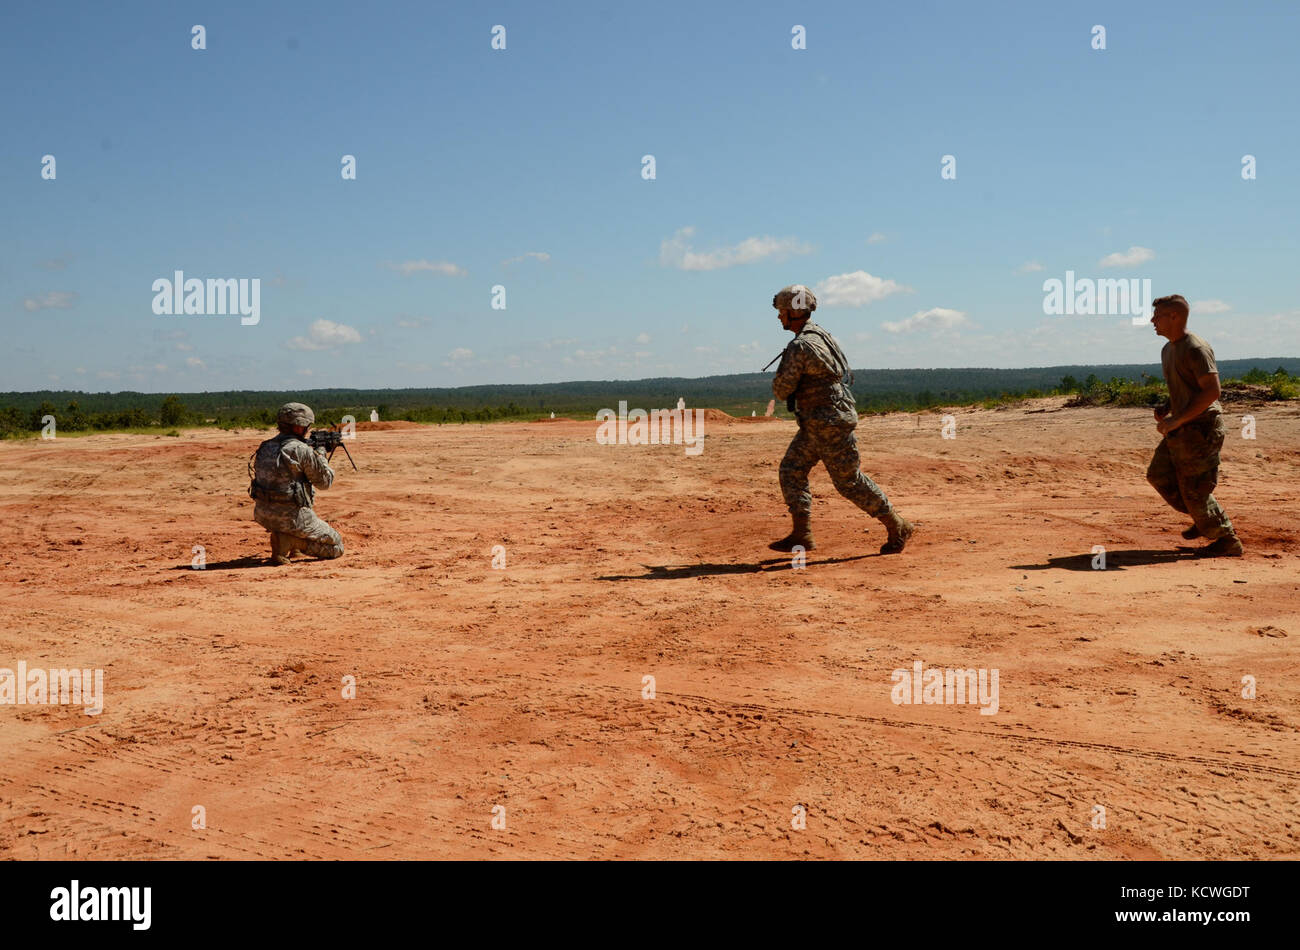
<point>789,403</point>
<point>329,440</point>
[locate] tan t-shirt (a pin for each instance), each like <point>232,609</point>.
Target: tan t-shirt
<point>1184,363</point>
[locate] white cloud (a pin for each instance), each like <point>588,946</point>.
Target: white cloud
<point>407,268</point>
<point>193,362</point>
<point>643,338</point>
<point>108,374</point>
<point>305,372</point>
<point>856,289</point>
<point>1210,306</point>
<point>677,252</point>
<point>540,256</point>
<point>460,353</point>
<point>184,347</point>
<point>323,335</point>
<point>936,318</point>
<point>876,238</point>
<point>160,367</point>
<point>54,300</point>
<point>592,357</point>
<point>1131,258</point>
<point>1029,267</point>
<point>749,347</point>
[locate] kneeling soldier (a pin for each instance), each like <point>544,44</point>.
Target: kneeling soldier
<point>286,471</point>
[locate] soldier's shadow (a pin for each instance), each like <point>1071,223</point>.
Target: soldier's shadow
<point>234,565</point>
<point>657,572</point>
<point>1115,560</point>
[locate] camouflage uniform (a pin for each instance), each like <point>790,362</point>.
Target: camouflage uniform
<point>813,370</point>
<point>286,472</point>
<point>1185,467</point>
<point>1185,470</point>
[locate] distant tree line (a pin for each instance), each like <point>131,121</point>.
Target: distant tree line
<point>172,413</point>
<point>877,391</point>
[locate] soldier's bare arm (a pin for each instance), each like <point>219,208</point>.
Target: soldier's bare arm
<point>1210,390</point>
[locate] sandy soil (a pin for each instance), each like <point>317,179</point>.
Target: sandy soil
<point>522,687</point>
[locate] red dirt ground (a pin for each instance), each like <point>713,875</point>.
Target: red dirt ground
<point>522,687</point>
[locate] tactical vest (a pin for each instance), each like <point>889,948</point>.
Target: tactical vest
<point>814,393</point>
<point>300,490</point>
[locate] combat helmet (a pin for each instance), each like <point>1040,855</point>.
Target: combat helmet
<point>295,414</point>
<point>795,297</point>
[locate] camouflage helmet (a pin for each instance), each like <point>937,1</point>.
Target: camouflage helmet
<point>295,414</point>
<point>795,297</point>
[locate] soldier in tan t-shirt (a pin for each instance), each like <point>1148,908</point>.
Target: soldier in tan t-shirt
<point>1185,467</point>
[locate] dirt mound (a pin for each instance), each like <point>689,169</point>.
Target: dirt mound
<point>1233,393</point>
<point>718,417</point>
<point>1247,393</point>
<point>384,426</point>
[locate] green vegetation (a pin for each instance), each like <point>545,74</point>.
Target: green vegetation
<point>1254,385</point>
<point>1282,385</point>
<point>877,391</point>
<point>1149,391</point>
<point>171,413</point>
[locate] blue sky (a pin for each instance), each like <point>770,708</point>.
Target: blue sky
<point>522,168</point>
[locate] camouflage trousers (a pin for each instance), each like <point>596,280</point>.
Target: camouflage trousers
<point>312,535</point>
<point>1185,470</point>
<point>837,447</point>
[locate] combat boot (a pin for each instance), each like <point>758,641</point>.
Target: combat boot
<point>800,536</point>
<point>900,529</point>
<point>281,548</point>
<point>1192,533</point>
<point>1227,546</point>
